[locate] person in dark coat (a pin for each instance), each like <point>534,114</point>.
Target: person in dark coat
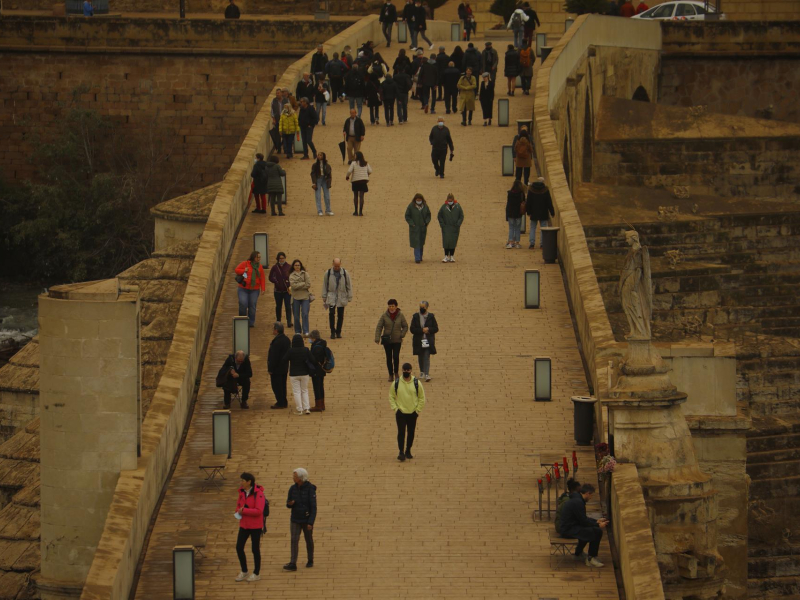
<point>374,101</point>
<point>336,70</point>
<point>420,23</point>
<point>514,199</point>
<point>539,207</point>
<point>235,372</point>
<point>442,59</point>
<point>486,96</point>
<point>472,59</point>
<point>387,20</point>
<point>278,373</point>
<point>275,173</point>
<point>305,87</point>
<point>440,140</point>
<point>575,524</point>
<point>302,500</point>
<point>450,79</point>
<point>423,341</point>
<point>490,61</point>
<point>297,359</point>
<point>259,175</point>
<point>389,93</point>
<point>403,81</point>
<point>450,217</point>
<point>530,25</point>
<point>355,88</point>
<point>429,79</point>
<point>307,119</point>
<point>512,68</point>
<point>232,11</point>
<point>320,356</point>
<point>318,62</point>
<point>418,216</point>
<point>401,63</point>
<point>457,57</point>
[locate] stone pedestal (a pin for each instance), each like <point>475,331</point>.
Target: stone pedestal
<point>90,421</point>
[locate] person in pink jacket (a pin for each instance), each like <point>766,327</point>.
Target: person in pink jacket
<point>251,281</point>
<point>250,513</point>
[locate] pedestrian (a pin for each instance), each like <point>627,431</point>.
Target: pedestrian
<point>302,500</point>
<point>511,69</point>
<point>471,59</point>
<point>275,175</point>
<point>88,9</point>
<point>641,7</point>
<point>251,282</point>
<point>321,97</point>
<point>288,128</point>
<point>276,109</point>
<point>627,9</point>
<point>374,101</point>
<point>457,57</point>
<point>299,362</point>
<point>259,188</point>
<point>539,206</point>
<point>318,62</point>
<point>277,369</point>
<point>358,175</point>
<point>320,357</point>
<point>489,61</point>
<point>307,120</point>
<point>321,181</point>
<point>337,293</point>
<point>575,524</point>
<point>450,218</point>
<point>235,372</point>
<point>450,79</point>
<point>279,277</point>
<point>354,88</point>
<point>514,212</point>
<point>305,87</point>
<point>429,79</point>
<point>418,216</point>
<point>232,11</point>
<point>389,92</point>
<point>416,76</point>
<point>440,140</point>
<point>526,58</point>
<point>422,22</point>
<point>250,510</point>
<point>530,25</point>
<point>407,398</point>
<point>523,156</point>
<point>441,64</point>
<point>336,70</point>
<point>423,338</point>
<point>300,286</point>
<point>516,23</point>
<point>353,131</point>
<point>486,96</point>
<point>392,328</point>
<point>401,63</point>
<point>467,87</point>
<point>291,100</point>
<point>466,15</point>
<point>387,20</point>
<point>409,16</point>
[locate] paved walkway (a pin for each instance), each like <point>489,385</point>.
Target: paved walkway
<point>456,521</point>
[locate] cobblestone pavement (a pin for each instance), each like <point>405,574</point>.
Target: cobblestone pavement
<point>456,521</point>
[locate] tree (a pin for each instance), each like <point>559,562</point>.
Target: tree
<point>434,4</point>
<point>582,7</point>
<point>503,8</point>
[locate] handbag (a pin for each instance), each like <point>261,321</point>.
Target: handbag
<point>522,206</point>
<point>239,279</point>
<point>311,297</point>
<point>327,96</point>
<point>426,343</point>
<point>387,339</point>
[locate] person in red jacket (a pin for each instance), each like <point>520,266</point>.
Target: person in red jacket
<point>251,284</point>
<point>641,8</point>
<point>627,10</point>
<point>250,513</point>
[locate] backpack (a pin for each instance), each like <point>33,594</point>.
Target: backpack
<point>397,385</point>
<point>488,59</point>
<point>525,58</point>
<point>329,363</point>
<point>516,20</point>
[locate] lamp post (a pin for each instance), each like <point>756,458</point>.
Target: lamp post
<point>183,573</point>
<point>507,156</point>
<point>532,280</point>
<point>541,40</point>
<point>502,112</point>
<point>221,442</point>
<point>261,245</point>
<point>541,375</point>
<point>241,334</point>
<point>568,23</point>
<point>455,32</point>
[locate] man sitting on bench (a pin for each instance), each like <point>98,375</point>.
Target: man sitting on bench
<point>235,372</point>
<point>575,524</point>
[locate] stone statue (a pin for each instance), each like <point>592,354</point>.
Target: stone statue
<point>636,289</point>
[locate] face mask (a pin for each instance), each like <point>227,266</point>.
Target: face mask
<point>419,202</point>
<point>441,125</point>
<point>422,311</point>
<point>281,262</point>
<point>406,375</point>
<point>450,202</point>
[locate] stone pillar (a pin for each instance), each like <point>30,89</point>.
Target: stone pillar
<point>90,421</point>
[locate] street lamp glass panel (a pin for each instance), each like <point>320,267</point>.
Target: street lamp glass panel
<point>261,245</point>
<point>298,142</point>
<point>541,370</point>
<point>508,161</point>
<point>221,434</point>
<point>183,573</point>
<point>241,335</point>
<point>455,32</point>
<point>568,23</point>
<point>541,40</point>
<point>502,112</point>
<point>532,288</point>
<point>402,33</point>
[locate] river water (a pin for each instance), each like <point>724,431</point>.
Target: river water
<point>18,315</point>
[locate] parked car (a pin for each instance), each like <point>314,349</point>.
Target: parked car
<point>683,10</point>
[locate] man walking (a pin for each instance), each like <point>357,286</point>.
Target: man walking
<point>440,140</point>
<point>406,397</point>
<point>278,370</point>
<point>575,524</point>
<point>318,62</point>
<point>307,119</point>
<point>236,371</point>
<point>302,501</point>
<point>337,291</point>
<point>489,60</point>
<point>428,79</point>
<point>355,87</point>
<point>232,11</point>
<point>354,132</point>
<point>387,19</point>
<point>450,78</point>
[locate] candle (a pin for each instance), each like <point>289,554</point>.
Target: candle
<point>556,471</point>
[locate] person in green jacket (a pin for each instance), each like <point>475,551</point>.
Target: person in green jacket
<point>418,215</point>
<point>451,216</point>
<point>406,397</point>
<point>275,185</point>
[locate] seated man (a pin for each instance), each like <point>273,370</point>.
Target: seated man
<point>572,491</point>
<point>235,372</point>
<point>575,524</point>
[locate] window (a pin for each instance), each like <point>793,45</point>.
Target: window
<point>685,10</point>
<point>700,10</point>
<point>663,12</point>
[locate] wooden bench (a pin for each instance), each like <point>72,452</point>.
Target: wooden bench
<point>560,546</point>
<point>195,538</point>
<point>213,465</point>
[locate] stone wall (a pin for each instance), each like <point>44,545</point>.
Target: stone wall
<point>247,7</point>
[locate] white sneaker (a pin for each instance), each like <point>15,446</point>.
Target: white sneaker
<point>254,577</point>
<point>241,577</point>
<point>431,48</point>
<point>298,412</point>
<point>308,412</point>
<point>452,259</point>
<point>421,376</point>
<point>445,259</point>
<point>319,214</point>
<point>428,377</point>
<point>329,213</point>
<point>509,245</point>
<point>593,562</point>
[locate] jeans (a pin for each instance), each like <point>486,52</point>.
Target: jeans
<point>429,94</point>
<point>278,383</point>
<point>307,134</point>
<point>247,304</point>
<point>439,161</point>
<point>514,225</point>
<point>405,422</point>
<point>518,35</point>
<point>356,101</point>
<point>374,114</point>
<point>337,311</point>
<point>288,144</point>
<point>322,190</point>
<point>386,29</point>
<point>526,83</point>
<point>388,111</point>
<point>424,37</point>
<point>412,30</point>
<point>450,100</point>
<point>301,307</point>
<point>523,174</point>
<point>255,535</point>
<point>275,201</point>
<point>283,299</point>
<point>591,536</point>
<point>425,361</point>
<point>402,107</point>
<point>322,111</point>
<point>532,234</point>
<point>296,528</point>
<point>300,391</point>
<point>418,253</point>
<point>318,382</point>
<point>393,358</point>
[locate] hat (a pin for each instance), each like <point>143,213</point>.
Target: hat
<point>487,44</point>
<point>538,184</point>
<point>485,75</point>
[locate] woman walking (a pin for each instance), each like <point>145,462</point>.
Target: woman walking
<point>402,63</point>
<point>450,217</point>
<point>320,355</point>
<point>321,181</point>
<point>288,127</point>
<point>514,211</point>
<point>392,328</point>
<point>523,156</point>
<point>321,96</point>
<point>358,174</point>
<point>374,100</point>
<point>539,207</point>
<point>279,276</point>
<point>298,359</point>
<point>300,284</point>
<point>466,102</point>
<point>512,68</point>
<point>251,281</point>
<point>418,216</point>
<point>526,60</point>
<point>275,174</point>
<point>423,341</point>
<point>486,96</point>
<point>259,188</point>
<point>249,511</point>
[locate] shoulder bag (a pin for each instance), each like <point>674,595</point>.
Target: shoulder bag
<point>387,339</point>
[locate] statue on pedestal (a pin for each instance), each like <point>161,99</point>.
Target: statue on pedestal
<point>636,288</point>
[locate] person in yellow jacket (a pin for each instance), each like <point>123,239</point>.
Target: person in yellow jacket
<point>406,397</point>
<point>288,128</point>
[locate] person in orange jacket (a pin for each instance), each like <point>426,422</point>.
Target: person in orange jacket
<point>251,280</point>
<point>250,510</point>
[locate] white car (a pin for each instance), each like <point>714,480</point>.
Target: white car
<point>683,10</point>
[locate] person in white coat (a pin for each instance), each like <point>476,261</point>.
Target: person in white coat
<point>517,24</point>
<point>337,291</point>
